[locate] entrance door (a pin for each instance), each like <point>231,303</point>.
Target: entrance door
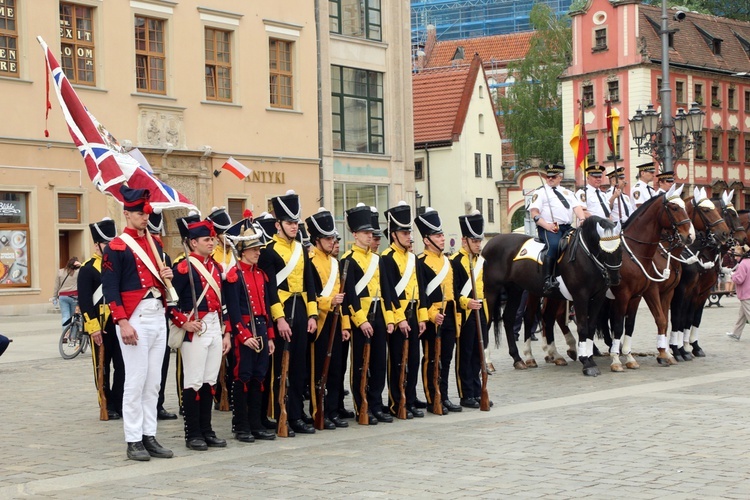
<point>64,245</point>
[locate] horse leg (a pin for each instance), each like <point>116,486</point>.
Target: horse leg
<point>627,341</point>
<point>664,357</point>
<point>509,318</point>
<point>616,315</point>
<point>586,322</point>
<point>690,335</point>
<point>532,307</point>
<point>557,313</point>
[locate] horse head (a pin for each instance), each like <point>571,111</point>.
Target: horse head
<point>602,236</point>
<point>737,229</point>
<point>707,219</point>
<point>674,217</point>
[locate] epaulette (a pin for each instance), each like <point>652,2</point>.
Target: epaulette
<point>387,251</point>
<point>89,261</point>
<point>182,267</point>
<point>232,275</point>
<point>346,254</point>
<point>455,256</point>
<point>117,244</point>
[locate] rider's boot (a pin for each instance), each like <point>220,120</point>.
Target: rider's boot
<point>550,283</point>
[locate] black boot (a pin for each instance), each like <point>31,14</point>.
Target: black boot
<point>241,427</point>
<point>257,428</point>
<point>206,405</point>
<point>191,406</point>
<point>550,283</point>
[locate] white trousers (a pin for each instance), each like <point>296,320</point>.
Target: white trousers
<point>143,369</point>
<point>201,358</point>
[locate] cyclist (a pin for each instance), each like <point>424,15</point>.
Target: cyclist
<point>66,289</point>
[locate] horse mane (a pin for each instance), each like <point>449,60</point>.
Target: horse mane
<point>641,208</point>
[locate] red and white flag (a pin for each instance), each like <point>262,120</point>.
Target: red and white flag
<point>237,168</point>
<point>107,163</point>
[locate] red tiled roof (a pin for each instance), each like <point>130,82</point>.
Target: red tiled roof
<point>497,48</point>
<point>441,99</point>
<point>690,45</point>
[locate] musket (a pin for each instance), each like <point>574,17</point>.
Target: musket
<point>364,407</point>
<point>404,362</point>
<point>103,413</point>
<point>282,428</point>
<point>172,297</point>
<point>186,249</point>
<point>320,388</point>
<point>484,402</point>
<point>437,398</point>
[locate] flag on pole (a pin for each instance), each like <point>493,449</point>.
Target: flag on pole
<point>579,141</point>
<point>613,126</point>
<point>107,163</point>
<point>237,168</point>
<point>136,153</point>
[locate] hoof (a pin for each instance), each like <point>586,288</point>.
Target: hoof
<point>572,354</point>
<point>632,365</point>
<point>560,362</point>
<point>616,368</point>
<point>592,371</point>
<point>686,356</point>
<point>549,359</point>
<point>520,365</point>
<point>531,363</point>
<point>697,351</point>
<point>663,361</point>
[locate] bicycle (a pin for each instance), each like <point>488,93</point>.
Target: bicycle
<point>73,340</point>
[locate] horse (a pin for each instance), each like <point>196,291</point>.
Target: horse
<point>587,267</point>
<point>641,235</point>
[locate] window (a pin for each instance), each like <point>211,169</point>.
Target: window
<point>490,210</point>
<point>69,208</point>
<point>150,60</point>
<point>588,96</point>
<point>236,209</point>
<point>613,90</point>
<point>732,149</point>
<point>747,101</point>
<point>488,160</point>
<point>600,39</point>
<point>357,110</point>
<point>360,18</point>
<point>698,93</point>
<point>8,39</point>
<point>418,170</point>
<point>679,91</point>
<point>658,89</point>
<point>592,150</point>
<point>77,43</point>
<point>610,156</point>
<point>477,164</point>
<point>715,100</point>
<point>716,46</point>
<point>280,73</point>
<point>478,205</point>
<point>670,39</point>
<point>218,65</point>
<point>747,150</point>
<point>700,153</point>
<point>14,236</point>
<point>481,123</point>
<point>346,196</point>
<point>730,98</point>
<point>715,153</point>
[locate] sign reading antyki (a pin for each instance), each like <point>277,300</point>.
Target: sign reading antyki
<point>266,177</point>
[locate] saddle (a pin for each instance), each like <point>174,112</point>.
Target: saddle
<point>535,249</point>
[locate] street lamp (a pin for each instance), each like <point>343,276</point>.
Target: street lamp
<point>647,129</point>
<point>418,202</point>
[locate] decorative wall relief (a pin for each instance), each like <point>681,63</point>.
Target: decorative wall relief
<point>159,125</point>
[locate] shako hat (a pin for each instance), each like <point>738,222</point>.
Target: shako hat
<point>156,222</point>
<point>183,222</point>
<point>267,224</point>
<point>359,218</point>
<point>429,222</point>
<point>472,225</point>
<point>287,207</point>
<point>239,227</point>
<point>201,229</point>
<point>250,236</point>
<point>302,235</point>
<point>376,231</point>
<point>321,224</point>
<point>398,218</point>
<point>136,200</point>
<point>103,231</point>
<point>220,218</point>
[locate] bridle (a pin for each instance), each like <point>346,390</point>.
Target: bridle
<point>707,236</point>
<point>674,238</point>
<point>604,267</point>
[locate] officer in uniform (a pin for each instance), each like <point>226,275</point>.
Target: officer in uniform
<point>618,200</point>
<point>438,282</point>
<point>327,286</point>
<point>665,180</point>
<point>468,355</point>
<point>134,286</point>
<point>367,300</point>
<point>342,411</point>
<point>594,201</point>
<point>247,289</point>
<point>642,192</point>
<point>267,224</point>
<point>377,233</point>
<point>97,321</point>
<point>550,208</point>
<point>289,269</point>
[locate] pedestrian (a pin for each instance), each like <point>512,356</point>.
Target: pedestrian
<point>741,279</point>
<point>133,285</point>
<point>66,289</point>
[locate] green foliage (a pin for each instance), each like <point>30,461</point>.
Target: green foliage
<point>532,106</point>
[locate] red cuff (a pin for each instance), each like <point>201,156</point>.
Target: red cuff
<point>270,331</point>
<point>244,334</point>
<point>178,317</point>
<point>118,312</point>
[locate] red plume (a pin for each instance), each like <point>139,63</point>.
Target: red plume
<point>247,214</point>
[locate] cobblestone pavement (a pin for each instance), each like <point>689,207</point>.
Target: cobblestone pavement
<point>676,432</point>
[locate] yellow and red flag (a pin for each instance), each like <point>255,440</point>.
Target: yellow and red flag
<point>579,141</point>
<point>613,126</point>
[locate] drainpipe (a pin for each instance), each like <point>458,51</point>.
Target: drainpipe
<point>321,184</point>
<point>429,191</point>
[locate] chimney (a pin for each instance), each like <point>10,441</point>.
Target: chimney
<point>430,43</point>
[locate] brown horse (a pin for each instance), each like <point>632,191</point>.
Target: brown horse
<point>641,236</point>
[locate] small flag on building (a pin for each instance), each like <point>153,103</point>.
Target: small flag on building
<point>237,168</point>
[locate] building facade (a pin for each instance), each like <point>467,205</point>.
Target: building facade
<point>617,55</point>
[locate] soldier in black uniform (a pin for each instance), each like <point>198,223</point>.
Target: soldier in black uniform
<point>98,322</point>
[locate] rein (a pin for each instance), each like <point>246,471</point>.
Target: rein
<point>603,267</point>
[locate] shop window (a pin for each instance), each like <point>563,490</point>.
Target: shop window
<point>69,208</point>
<point>14,240</point>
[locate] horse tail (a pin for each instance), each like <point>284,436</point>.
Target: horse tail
<point>496,317</point>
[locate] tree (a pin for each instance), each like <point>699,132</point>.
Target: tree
<point>532,107</point>
<point>733,9</point>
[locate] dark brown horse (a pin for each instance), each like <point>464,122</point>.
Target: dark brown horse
<point>589,266</point>
<point>641,236</point>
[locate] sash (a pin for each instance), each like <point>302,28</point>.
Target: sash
<point>207,276</point>
<point>362,283</point>
<point>98,295</point>
<point>331,279</point>
<point>289,267</point>
<point>141,254</point>
<point>466,290</point>
<point>435,282</point>
<point>410,259</point>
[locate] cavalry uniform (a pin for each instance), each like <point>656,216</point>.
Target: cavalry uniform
<point>621,206</point>
<point>327,285</point>
<point>197,280</point>
<point>641,191</point>
<point>135,292</point>
<point>289,269</point>
<point>97,318</point>
<point>401,266</point>
<point>594,200</point>
<point>436,270</point>
<point>247,290</point>
<point>468,355</point>
<point>367,299</point>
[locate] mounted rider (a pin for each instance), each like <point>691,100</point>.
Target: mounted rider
<point>593,199</point>
<point>619,202</point>
<point>642,192</point>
